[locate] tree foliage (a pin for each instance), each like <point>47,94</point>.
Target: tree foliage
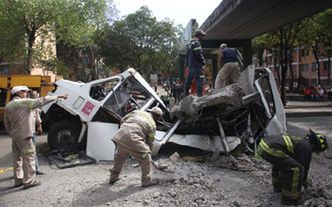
<point>318,34</point>
<point>325,20</point>
<point>23,21</point>
<point>140,41</point>
<point>313,32</point>
<point>281,42</point>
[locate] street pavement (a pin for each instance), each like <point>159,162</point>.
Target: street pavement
<point>87,185</point>
<point>308,108</point>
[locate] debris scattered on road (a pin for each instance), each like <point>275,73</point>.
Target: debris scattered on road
<point>159,166</point>
<point>174,157</point>
<point>66,159</point>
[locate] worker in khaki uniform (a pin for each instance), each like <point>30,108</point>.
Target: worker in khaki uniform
<point>135,138</point>
<point>19,124</point>
<point>230,73</point>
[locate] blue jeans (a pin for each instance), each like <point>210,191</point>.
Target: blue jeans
<point>197,74</point>
<point>36,156</point>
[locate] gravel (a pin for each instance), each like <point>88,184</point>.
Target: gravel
<point>228,181</point>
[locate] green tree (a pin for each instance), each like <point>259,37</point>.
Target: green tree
<point>310,38</point>
<point>11,34</point>
<point>267,43</point>
<point>140,41</point>
<point>284,39</point>
<point>317,35</point>
<point>314,32</point>
<point>325,20</point>
<point>73,22</point>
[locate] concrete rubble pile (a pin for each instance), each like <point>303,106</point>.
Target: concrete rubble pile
<point>222,100</point>
<point>198,114</point>
<point>202,184</point>
<point>319,194</point>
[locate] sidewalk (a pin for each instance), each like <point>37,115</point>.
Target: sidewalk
<point>308,108</point>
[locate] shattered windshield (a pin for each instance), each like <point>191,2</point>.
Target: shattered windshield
<point>129,95</point>
<point>267,91</point>
<point>100,90</point>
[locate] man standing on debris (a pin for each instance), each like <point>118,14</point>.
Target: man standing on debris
<point>195,62</point>
<point>135,138</point>
<point>231,61</point>
<point>18,121</point>
<point>290,158</point>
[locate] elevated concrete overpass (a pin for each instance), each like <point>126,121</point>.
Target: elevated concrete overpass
<point>236,22</point>
<point>246,19</point>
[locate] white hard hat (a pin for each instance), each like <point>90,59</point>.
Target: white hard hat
<point>223,46</point>
<point>16,89</point>
<point>156,110</point>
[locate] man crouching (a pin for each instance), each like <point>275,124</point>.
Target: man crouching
<point>135,138</point>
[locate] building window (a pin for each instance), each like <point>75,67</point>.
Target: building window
<point>304,52</point>
<point>314,81</point>
<point>326,65</point>
<point>304,67</point>
<point>314,66</point>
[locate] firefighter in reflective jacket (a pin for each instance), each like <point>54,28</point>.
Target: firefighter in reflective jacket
<point>195,62</point>
<point>135,138</point>
<point>290,158</point>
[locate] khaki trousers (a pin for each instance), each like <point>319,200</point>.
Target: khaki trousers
<point>228,74</point>
<point>24,161</point>
<point>122,154</point>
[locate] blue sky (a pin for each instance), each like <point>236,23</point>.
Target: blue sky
<point>179,11</point>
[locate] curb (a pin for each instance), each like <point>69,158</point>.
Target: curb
<point>306,107</point>
<point>308,114</point>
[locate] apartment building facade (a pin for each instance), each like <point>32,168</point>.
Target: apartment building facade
<point>303,68</point>
<point>47,46</point>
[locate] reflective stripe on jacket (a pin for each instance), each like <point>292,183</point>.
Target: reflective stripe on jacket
<point>288,146</point>
<point>195,58</point>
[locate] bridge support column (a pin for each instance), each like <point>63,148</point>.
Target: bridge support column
<point>247,53</point>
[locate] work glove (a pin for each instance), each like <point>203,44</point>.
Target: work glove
<point>39,129</point>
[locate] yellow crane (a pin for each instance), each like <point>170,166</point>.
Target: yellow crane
<point>39,83</point>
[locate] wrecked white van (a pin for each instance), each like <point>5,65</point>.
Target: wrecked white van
<point>217,122</point>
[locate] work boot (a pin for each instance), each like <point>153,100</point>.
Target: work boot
<point>288,201</point>
<point>36,183</point>
<point>18,183</point>
<point>40,172</point>
<point>113,180</point>
<point>154,181</point>
<point>114,177</point>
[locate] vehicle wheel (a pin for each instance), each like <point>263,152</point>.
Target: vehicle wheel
<point>63,135</point>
